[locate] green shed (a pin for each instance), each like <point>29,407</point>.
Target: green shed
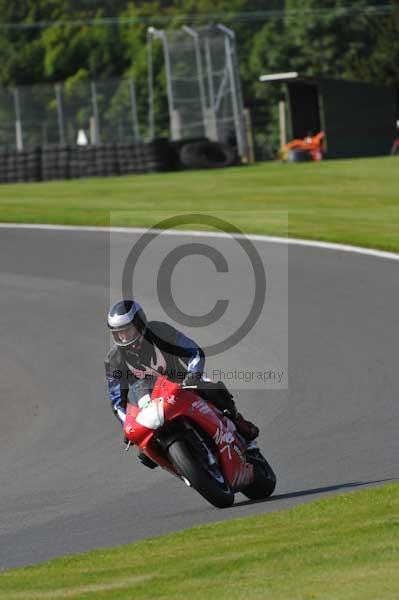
<point>358,118</point>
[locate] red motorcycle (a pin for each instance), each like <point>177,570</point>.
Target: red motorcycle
<point>178,430</point>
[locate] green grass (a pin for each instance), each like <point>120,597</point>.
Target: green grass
<point>347,201</point>
<point>340,548</point>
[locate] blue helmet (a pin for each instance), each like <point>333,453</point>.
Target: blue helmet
<point>127,322</point>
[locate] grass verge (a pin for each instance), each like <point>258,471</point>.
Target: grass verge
<point>346,201</point>
<point>345,547</point>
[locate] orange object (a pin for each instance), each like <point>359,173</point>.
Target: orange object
<point>312,144</point>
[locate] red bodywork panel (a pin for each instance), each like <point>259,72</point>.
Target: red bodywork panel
<point>170,401</point>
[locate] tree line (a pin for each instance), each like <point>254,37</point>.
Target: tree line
<point>80,40</point>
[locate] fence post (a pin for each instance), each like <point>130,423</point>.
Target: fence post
<point>236,114</point>
<point>96,123</point>
<point>229,49</point>
<point>212,129</point>
<point>151,117</point>
<point>60,113</point>
<point>282,122</point>
<point>174,117</point>
<point>19,142</point>
<point>249,135</point>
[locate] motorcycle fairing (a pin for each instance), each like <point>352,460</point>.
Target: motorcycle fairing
<point>170,402</point>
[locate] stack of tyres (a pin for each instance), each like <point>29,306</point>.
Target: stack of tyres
<point>74,166</point>
<point>11,172</point>
<point>20,166</point>
<point>140,160</point>
<point>34,164</point>
<point>150,157</point>
<point>100,157</point>
<point>110,165</point>
<point>82,161</point>
<point>63,162</point>
<point>74,162</point>
<point>17,167</point>
<point>175,147</point>
<point>126,159</point>
<point>55,163</point>
<point>86,158</point>
<point>158,156</point>
<point>206,154</point>
<point>2,167</point>
<point>93,161</point>
<point>49,161</point>
<point>97,161</point>
<point>138,157</point>
<point>105,160</point>
<point>119,159</point>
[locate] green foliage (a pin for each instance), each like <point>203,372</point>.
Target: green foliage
<point>344,201</point>
<point>334,38</point>
<point>326,41</point>
<point>341,548</point>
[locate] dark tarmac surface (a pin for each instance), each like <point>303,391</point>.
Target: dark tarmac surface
<point>67,486</point>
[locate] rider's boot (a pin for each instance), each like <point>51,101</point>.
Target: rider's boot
<point>248,430</point>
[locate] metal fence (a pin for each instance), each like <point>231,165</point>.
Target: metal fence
<point>203,84</point>
<point>83,113</point>
<point>202,99</point>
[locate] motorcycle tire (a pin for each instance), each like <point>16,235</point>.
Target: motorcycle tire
<point>217,493</point>
<point>264,482</point>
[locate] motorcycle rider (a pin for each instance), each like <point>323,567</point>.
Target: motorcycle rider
<point>145,349</point>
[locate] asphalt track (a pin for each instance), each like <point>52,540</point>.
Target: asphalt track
<point>65,484</point>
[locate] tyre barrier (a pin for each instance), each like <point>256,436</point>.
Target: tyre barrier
<point>207,155</point>
<point>55,163</point>
<point>20,166</point>
<point>176,146</point>
<point>73,162</point>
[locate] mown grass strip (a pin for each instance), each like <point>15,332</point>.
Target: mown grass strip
<point>345,201</point>
<point>345,547</point>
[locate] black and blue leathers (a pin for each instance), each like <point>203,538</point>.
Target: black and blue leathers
<point>163,350</point>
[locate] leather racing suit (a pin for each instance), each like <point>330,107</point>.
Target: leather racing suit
<point>131,371</point>
<point>163,350</point>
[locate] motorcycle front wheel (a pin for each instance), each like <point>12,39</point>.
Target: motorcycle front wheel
<point>207,480</point>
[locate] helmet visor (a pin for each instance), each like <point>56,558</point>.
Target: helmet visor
<point>126,335</point>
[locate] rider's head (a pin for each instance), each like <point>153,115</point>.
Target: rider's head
<point>127,322</point>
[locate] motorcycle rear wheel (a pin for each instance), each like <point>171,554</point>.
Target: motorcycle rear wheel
<point>214,491</point>
<point>264,482</point>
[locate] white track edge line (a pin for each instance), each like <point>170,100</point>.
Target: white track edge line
<point>254,237</point>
